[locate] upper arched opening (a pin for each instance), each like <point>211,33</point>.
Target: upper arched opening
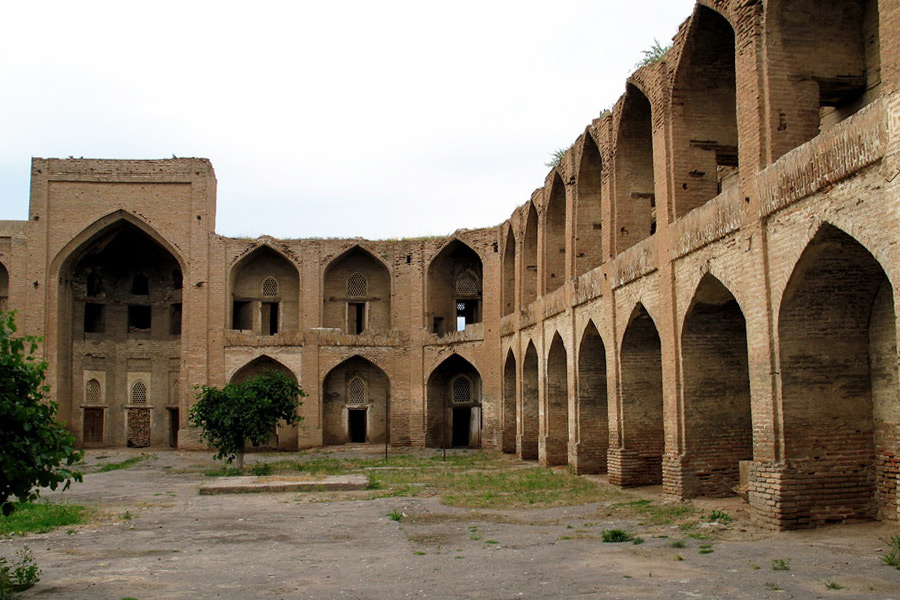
<point>636,196</point>
<point>265,290</point>
<point>357,293</point>
<point>588,213</point>
<point>509,272</point>
<point>530,257</point>
<point>454,288</point>
<point>554,266</point>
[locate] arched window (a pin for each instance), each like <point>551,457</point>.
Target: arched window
<point>356,391</point>
<point>357,286</point>
<point>140,285</point>
<point>139,393</point>
<point>466,284</point>
<point>462,389</point>
<point>92,392</point>
<point>269,287</point>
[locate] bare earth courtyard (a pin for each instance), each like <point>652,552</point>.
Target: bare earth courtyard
<point>151,535</point>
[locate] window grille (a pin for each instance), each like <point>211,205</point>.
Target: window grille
<point>357,286</point>
<point>462,389</point>
<point>270,287</point>
<point>466,285</point>
<point>356,391</point>
<point>92,392</point>
<point>139,393</point>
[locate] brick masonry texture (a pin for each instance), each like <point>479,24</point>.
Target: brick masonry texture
<point>701,295</point>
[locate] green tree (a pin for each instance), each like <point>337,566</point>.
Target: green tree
<point>35,449</point>
<point>245,412</point>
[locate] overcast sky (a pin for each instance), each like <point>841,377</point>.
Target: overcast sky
<point>322,119</point>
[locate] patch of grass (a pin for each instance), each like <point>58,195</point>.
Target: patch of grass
<point>419,553</point>
<point>781,564</point>
<point>125,464</point>
<point>491,542</point>
<point>615,536</point>
<point>676,544</point>
<point>261,470</point>
<point>831,584</point>
<point>657,514</point>
<point>679,557</point>
<point>223,472</point>
<point>637,540</point>
<point>395,515</point>
<point>41,517</point>
<point>706,550</point>
<point>719,516</point>
<point>892,558</point>
<point>125,516</point>
<point>754,566</point>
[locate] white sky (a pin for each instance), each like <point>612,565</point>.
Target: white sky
<point>322,119</point>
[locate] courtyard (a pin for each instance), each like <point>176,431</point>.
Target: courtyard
<point>476,525</point>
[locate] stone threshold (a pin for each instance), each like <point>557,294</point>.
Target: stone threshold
<point>250,484</point>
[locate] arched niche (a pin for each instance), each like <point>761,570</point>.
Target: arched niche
<point>554,237</point>
<point>588,210</point>
<point>509,273</point>
<point>265,291</point>
<point>283,438</point>
<point>454,405</point>
<point>355,403</point>
<point>454,288</point>
<point>704,113</point>
<point>825,65</point>
<point>839,383</point>
<point>635,209</point>
<point>527,413</point>
<point>357,293</point>
<point>530,257</point>
<point>593,405</point>
<point>555,449</point>
<point>119,324</point>
<point>508,441</point>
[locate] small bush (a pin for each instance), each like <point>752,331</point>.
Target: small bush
<point>719,516</point>
<point>892,558</point>
<point>615,536</point>
<point>781,564</point>
<point>831,584</point>
<point>395,515</point>
<point>23,575</point>
<point>676,544</point>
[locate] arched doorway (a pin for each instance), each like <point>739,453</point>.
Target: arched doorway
<point>355,400</point>
<point>454,405</point>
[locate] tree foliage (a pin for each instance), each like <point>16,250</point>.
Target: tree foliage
<point>656,53</point>
<point>245,412</point>
<point>35,449</point>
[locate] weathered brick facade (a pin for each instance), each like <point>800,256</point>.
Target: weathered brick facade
<point>700,296</point>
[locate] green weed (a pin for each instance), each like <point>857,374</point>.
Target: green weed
<point>41,517</point>
<point>781,564</point>
<point>125,464</point>
<point>615,536</point>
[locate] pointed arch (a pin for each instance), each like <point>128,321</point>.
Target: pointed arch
<point>508,299</point>
<point>635,209</point>
<point>588,211</point>
<point>356,295</point>
<point>115,289</point>
<point>527,442</point>
<point>265,292</point>
<point>704,107</point>
<point>530,257</point>
<point>555,449</point>
<point>453,420</point>
<point>718,425</point>
<point>451,307</point>
<point>554,237</point>
<point>593,404</point>
<point>839,382</point>
<point>640,394</point>
<point>259,365</point>
<point>508,440</point>
<point>355,403</point>
<point>825,65</point>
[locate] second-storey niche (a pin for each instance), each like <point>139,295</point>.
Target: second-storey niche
<point>829,65</point>
<point>454,289</point>
<point>508,290</point>
<point>121,287</point>
<point>704,119</point>
<point>357,293</point>
<point>4,288</point>
<point>265,287</point>
<point>588,215</point>
<point>554,266</point>
<point>635,211</point>
<point>529,257</point>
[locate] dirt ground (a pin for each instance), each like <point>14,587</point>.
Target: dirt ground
<point>154,537</point>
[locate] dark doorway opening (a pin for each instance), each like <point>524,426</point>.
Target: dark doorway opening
<point>93,426</point>
<point>241,315</point>
<point>466,313</point>
<point>357,316</point>
<point>462,419</point>
<point>356,424</point>
<point>270,318</point>
<point>173,427</point>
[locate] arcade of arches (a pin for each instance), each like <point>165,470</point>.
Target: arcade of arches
<point>701,295</point>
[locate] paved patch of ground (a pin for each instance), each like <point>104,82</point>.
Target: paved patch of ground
<point>155,537</point>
